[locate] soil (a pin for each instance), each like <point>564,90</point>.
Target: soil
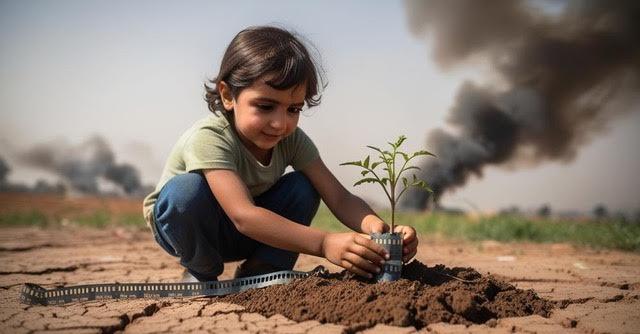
<point>594,291</point>
<point>425,295</point>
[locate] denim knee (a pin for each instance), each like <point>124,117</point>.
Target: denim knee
<point>181,200</point>
<point>301,195</point>
<point>303,191</point>
<point>184,192</point>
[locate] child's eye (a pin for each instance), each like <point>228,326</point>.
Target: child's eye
<point>265,107</point>
<point>295,110</point>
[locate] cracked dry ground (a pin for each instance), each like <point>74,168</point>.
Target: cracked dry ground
<point>599,290</point>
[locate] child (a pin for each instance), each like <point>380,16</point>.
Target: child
<point>223,196</point>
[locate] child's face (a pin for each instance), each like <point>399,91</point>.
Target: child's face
<point>264,115</point>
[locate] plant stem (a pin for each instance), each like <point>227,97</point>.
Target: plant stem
<point>392,184</point>
<point>393,215</point>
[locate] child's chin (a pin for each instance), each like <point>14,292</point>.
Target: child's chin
<point>268,145</point>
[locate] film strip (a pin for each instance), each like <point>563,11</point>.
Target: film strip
<point>392,269</point>
<point>36,295</point>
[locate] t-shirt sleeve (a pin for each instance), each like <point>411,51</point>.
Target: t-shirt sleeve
<point>208,149</point>
<point>305,151</point>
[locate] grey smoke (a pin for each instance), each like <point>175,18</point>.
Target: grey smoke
<point>562,78</point>
<point>4,171</point>
<point>41,186</point>
<point>82,165</point>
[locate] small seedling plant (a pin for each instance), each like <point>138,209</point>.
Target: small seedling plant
<point>391,174</point>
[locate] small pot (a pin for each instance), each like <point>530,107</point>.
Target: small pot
<point>392,268</point>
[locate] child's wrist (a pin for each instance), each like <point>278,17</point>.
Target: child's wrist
<point>321,249</point>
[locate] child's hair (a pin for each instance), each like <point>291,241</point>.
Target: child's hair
<point>257,51</point>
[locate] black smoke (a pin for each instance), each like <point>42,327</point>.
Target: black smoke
<point>560,78</point>
<point>82,166</point>
<point>4,171</point>
<point>41,186</point>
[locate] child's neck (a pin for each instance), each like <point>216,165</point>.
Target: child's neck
<point>262,156</point>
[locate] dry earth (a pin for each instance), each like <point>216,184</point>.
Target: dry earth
<point>600,289</point>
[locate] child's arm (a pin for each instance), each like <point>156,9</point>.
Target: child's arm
<point>349,250</point>
<point>352,211</point>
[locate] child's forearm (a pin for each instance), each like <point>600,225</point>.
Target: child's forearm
<point>355,213</point>
<point>274,230</point>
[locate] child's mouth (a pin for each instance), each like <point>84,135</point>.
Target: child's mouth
<point>272,136</point>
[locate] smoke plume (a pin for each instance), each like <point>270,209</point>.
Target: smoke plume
<point>560,79</point>
<point>4,171</point>
<point>81,166</point>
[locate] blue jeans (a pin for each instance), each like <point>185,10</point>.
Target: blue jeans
<point>192,225</point>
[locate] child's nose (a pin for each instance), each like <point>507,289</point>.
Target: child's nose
<point>278,121</point>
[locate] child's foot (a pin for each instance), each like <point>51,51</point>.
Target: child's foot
<point>253,267</point>
<point>188,278</point>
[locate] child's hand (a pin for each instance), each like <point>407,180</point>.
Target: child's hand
<point>355,252</point>
<point>409,242</point>
<point>373,224</point>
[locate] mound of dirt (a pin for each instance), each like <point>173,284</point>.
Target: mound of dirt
<point>423,296</point>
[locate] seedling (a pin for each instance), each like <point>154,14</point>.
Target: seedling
<point>392,175</point>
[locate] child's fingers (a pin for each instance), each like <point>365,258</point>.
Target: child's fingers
<point>358,265</point>
<point>368,243</point>
<point>366,253</point>
<point>406,258</point>
<point>361,263</point>
<point>352,268</point>
<point>410,246</point>
<point>408,233</point>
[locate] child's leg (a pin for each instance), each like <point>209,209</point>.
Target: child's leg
<point>295,198</point>
<point>192,226</point>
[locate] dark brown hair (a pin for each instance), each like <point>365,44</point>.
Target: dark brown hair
<point>257,51</point>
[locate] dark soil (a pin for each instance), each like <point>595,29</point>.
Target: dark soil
<point>423,296</point>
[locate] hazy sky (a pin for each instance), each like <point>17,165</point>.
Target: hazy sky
<point>132,71</point>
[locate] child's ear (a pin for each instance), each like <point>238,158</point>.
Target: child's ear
<point>225,96</point>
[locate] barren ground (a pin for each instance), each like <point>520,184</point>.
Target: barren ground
<point>601,288</point>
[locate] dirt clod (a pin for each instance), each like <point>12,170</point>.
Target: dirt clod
<point>569,323</point>
<point>423,296</point>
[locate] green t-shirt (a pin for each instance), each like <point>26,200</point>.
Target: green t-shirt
<point>211,143</point>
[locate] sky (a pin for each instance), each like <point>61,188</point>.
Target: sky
<point>132,72</point>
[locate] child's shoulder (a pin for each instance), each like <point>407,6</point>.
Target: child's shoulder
<point>216,123</point>
<point>207,129</point>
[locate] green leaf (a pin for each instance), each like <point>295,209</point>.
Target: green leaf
<point>352,163</point>
<point>404,155</point>
<point>364,172</point>
<point>385,180</point>
<point>422,152</point>
<point>365,163</point>
<point>425,187</point>
<point>374,148</point>
<point>366,180</point>
<point>384,155</point>
<point>375,164</point>
<point>400,140</point>
<point>404,181</point>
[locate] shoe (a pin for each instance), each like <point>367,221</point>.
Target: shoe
<point>253,267</point>
<point>188,278</point>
